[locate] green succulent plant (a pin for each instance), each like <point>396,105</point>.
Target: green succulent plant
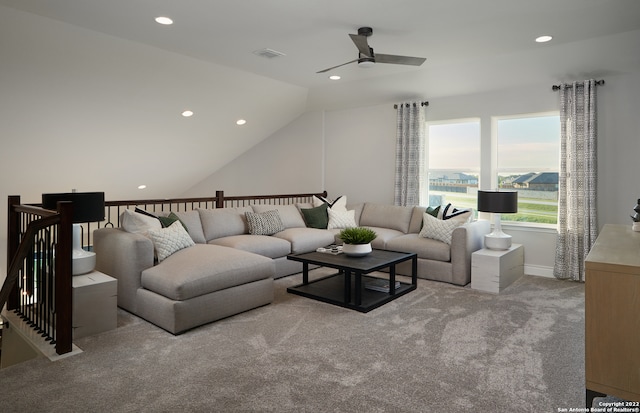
<point>357,235</point>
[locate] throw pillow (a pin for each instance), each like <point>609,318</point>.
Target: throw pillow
<point>317,217</point>
<point>138,223</point>
<point>338,204</point>
<point>170,219</point>
<point>339,219</point>
<point>433,211</point>
<point>264,223</point>
<point>438,229</point>
<point>463,215</point>
<point>169,240</point>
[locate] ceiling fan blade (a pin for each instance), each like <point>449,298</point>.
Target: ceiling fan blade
<point>361,43</point>
<point>399,60</point>
<point>331,68</point>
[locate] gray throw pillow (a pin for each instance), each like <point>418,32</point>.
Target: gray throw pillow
<point>264,223</point>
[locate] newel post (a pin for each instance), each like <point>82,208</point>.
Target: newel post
<point>63,282</point>
<point>13,242</point>
<point>219,199</point>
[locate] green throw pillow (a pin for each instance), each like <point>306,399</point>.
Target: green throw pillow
<point>433,211</point>
<point>316,217</point>
<point>170,219</point>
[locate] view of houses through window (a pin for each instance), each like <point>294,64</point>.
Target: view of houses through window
<point>525,158</point>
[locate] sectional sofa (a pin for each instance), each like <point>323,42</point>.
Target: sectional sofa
<point>207,264</point>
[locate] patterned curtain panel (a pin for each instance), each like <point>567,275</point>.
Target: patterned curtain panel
<point>577,226</point>
<point>410,141</point>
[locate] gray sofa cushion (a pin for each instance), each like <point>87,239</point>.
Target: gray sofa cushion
<point>416,219</point>
<point>383,236</point>
<point>386,216</point>
<point>306,239</point>
<point>268,246</point>
<point>202,269</point>
<point>191,219</point>
<point>289,214</point>
<point>426,248</point>
<point>223,222</point>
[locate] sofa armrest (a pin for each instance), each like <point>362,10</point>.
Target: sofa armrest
<point>123,255</point>
<point>464,241</point>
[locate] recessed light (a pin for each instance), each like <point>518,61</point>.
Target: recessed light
<point>241,122</point>
<point>187,113</point>
<point>142,186</point>
<point>164,20</point>
<point>543,39</point>
<point>334,77</point>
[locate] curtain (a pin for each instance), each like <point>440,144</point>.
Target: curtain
<point>410,143</point>
<point>577,226</point>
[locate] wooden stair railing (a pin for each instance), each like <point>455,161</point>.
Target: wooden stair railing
<point>53,316</point>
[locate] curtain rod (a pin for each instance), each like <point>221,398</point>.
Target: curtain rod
<point>414,104</point>
<point>557,87</point>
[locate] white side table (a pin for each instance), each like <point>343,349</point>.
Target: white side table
<point>494,270</point>
<point>95,304</point>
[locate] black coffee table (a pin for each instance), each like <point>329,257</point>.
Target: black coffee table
<point>346,291</point>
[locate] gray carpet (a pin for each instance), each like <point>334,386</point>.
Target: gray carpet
<point>440,348</point>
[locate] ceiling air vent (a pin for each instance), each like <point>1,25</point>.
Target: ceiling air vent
<point>268,53</point>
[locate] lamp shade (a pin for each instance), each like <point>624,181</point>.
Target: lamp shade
<point>498,201</point>
<point>87,206</point>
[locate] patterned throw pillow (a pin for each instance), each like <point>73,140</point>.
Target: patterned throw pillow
<point>338,219</point>
<point>264,223</point>
<point>169,240</point>
<point>438,229</point>
<point>338,204</point>
<point>463,215</point>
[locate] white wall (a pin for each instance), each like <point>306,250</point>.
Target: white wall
<point>83,110</point>
<point>360,152</point>
<point>267,168</point>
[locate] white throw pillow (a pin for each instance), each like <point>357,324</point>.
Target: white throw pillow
<point>341,219</point>
<point>138,223</point>
<point>169,240</point>
<point>338,204</point>
<point>438,229</point>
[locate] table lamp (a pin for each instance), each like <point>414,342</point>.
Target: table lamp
<point>497,202</point>
<point>87,207</point>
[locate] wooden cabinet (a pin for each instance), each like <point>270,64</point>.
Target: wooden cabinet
<point>612,314</point>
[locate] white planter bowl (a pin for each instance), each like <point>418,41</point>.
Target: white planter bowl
<point>356,250</point>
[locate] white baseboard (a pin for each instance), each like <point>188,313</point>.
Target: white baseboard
<point>538,270</point>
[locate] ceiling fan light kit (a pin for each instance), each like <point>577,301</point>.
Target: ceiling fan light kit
<point>367,58</point>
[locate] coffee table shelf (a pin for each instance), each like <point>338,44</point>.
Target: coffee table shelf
<point>347,287</point>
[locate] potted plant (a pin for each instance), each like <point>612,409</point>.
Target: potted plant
<point>357,240</point>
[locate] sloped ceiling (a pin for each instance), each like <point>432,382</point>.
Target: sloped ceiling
<point>95,88</point>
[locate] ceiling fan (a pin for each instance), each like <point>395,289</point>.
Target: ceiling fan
<point>366,57</point>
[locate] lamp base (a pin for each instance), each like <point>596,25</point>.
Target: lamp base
<point>82,261</point>
<point>497,241</point>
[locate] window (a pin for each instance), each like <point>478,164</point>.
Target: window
<point>527,159</point>
<point>453,163</point>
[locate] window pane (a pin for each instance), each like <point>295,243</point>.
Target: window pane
<point>454,145</point>
<point>454,163</point>
<point>528,162</point>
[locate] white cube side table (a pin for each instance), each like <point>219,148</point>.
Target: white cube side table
<point>494,270</point>
<point>95,304</point>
